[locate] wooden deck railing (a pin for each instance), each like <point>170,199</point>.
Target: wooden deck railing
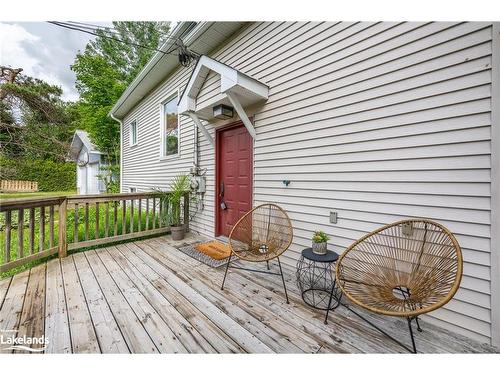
<point>37,228</point>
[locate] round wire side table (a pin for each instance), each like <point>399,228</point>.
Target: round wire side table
<point>316,279</point>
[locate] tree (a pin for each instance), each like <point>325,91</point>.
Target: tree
<point>35,123</point>
<point>105,69</point>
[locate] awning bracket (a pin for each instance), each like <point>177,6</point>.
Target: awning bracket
<point>241,112</point>
<point>200,126</point>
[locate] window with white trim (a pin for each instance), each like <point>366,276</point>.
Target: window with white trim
<point>133,133</point>
<point>170,130</point>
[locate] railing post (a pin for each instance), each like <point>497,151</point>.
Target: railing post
<point>186,212</point>
<point>62,247</point>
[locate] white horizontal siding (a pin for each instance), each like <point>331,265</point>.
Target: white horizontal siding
<point>377,121</point>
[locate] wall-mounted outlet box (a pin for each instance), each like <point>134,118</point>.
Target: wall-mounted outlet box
<point>333,217</point>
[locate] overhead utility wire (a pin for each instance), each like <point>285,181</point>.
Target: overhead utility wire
<point>186,56</point>
<point>111,29</point>
<point>67,26</point>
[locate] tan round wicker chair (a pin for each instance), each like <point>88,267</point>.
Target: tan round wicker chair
<point>403,269</point>
<point>261,235</point>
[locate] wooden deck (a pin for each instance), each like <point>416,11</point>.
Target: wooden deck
<point>148,297</point>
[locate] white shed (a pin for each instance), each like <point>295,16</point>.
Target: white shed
<point>88,164</point>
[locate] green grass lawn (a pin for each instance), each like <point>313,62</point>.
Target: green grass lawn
<point>70,225</point>
<point>37,194</point>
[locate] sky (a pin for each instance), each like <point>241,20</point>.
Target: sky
<point>44,51</point>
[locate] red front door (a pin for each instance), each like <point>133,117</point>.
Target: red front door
<point>234,177</point>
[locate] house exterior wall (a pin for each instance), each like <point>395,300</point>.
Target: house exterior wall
<point>376,121</point>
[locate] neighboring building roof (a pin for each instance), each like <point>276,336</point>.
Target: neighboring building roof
<point>201,37</point>
<point>81,139</point>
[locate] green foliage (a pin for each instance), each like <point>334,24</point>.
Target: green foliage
<point>172,144</point>
<point>172,199</point>
<point>50,175</point>
<point>179,186</point>
<point>36,97</point>
<point>35,122</point>
<point>110,176</point>
<point>105,69</point>
<point>99,87</point>
<point>128,58</point>
<point>320,236</point>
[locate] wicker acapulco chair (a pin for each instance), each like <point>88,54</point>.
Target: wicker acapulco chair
<point>261,235</point>
<point>403,269</point>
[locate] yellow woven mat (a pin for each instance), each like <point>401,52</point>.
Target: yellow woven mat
<point>214,249</point>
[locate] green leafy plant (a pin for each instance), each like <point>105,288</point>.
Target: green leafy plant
<point>110,176</point>
<point>172,198</point>
<point>320,236</point>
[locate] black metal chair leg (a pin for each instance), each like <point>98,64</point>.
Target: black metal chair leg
<point>283,279</point>
<point>225,273</point>
<point>411,334</point>
<point>268,268</point>
<point>330,302</point>
<point>418,324</point>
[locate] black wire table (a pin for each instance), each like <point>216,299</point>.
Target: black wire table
<point>316,280</point>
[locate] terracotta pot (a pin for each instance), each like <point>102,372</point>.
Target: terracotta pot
<point>319,248</point>
<point>177,233</point>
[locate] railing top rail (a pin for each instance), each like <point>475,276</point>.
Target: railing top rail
<point>111,197</point>
<point>12,204</point>
<point>116,195</point>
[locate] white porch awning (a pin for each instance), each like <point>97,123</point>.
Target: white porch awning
<point>237,90</point>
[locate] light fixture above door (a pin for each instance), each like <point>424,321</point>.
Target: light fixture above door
<point>223,112</point>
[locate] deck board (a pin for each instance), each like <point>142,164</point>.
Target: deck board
<point>191,339</point>
<point>56,314</point>
<point>32,323</point>
<point>83,336</point>
<point>108,333</point>
<point>10,314</point>
<point>133,331</point>
<point>148,297</point>
<point>226,323</point>
<point>217,338</point>
<point>161,334</point>
<point>4,287</point>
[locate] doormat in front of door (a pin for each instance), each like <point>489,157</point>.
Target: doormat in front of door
<point>212,253</point>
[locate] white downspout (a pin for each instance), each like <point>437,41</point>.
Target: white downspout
<point>121,150</point>
<point>195,140</point>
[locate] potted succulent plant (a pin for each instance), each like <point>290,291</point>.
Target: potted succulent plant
<point>319,242</point>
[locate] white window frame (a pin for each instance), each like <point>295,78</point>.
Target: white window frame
<point>131,142</point>
<point>163,156</point>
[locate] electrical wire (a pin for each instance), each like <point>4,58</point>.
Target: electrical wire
<point>67,26</point>
<point>185,55</point>
<point>111,29</point>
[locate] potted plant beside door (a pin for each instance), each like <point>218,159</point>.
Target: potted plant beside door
<point>172,200</point>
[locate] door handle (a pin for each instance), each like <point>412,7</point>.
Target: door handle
<point>223,205</point>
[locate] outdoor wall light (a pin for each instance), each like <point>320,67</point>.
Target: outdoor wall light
<point>286,182</point>
<point>223,112</point>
